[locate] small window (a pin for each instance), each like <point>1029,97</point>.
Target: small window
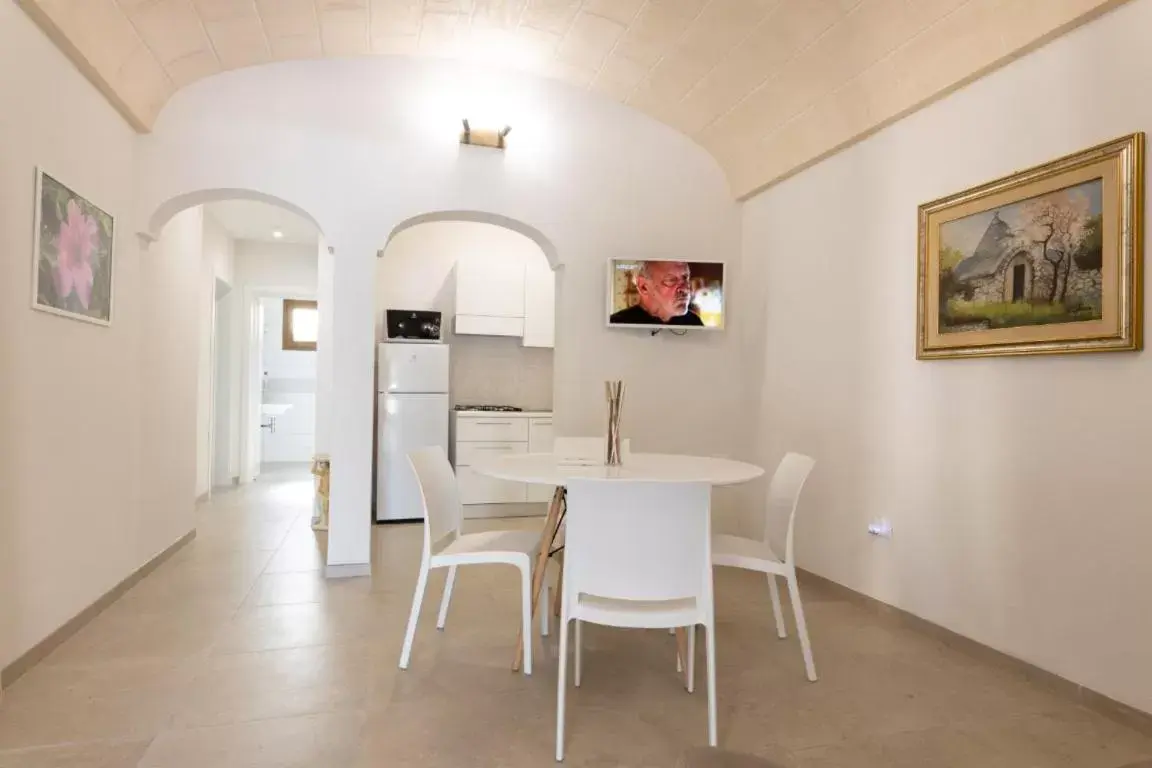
<point>301,325</point>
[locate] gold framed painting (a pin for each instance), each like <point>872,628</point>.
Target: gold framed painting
<point>1044,261</point>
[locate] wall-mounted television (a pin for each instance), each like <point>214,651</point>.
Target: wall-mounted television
<point>664,293</point>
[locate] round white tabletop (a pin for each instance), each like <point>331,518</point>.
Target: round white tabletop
<point>551,469</point>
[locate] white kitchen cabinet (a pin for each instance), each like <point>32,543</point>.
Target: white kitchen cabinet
<point>506,295</point>
<point>539,304</point>
<point>490,285</point>
<point>491,429</point>
<point>481,435</point>
<point>540,438</point>
<point>482,325</point>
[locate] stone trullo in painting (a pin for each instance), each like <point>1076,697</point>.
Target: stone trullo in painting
<point>1034,262</point>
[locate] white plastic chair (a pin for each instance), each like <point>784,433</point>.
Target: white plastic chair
<point>577,449</point>
<point>446,547</point>
<point>779,526</point>
<point>638,556</point>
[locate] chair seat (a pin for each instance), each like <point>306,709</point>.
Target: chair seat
<point>638,614</point>
<point>492,543</point>
<point>739,552</point>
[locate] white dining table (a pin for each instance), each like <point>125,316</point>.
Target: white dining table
<point>555,469</point>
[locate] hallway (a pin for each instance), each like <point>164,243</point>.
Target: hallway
<point>237,652</point>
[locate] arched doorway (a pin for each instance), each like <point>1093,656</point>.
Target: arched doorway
<point>262,256</point>
<point>489,284</point>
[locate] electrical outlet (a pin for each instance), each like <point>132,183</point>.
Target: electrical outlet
<point>880,527</point>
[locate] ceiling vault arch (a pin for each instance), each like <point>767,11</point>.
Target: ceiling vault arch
<point>767,86</point>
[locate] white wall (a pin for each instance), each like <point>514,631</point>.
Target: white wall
<point>74,475</point>
<point>1018,488</point>
<point>215,270</point>
<point>373,143</point>
<point>168,378</point>
<point>417,271</point>
<point>276,265</point>
<point>326,272</point>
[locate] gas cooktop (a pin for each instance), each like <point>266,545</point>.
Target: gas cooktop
<point>500,408</point>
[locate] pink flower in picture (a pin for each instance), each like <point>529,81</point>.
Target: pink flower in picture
<point>75,244</point>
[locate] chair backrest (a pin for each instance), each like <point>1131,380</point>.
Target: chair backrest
<point>586,447</point>
<point>638,540</point>
<point>783,497</point>
<point>442,511</point>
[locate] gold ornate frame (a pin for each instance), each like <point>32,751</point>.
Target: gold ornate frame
<point>1121,165</point>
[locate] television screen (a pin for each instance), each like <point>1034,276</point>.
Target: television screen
<point>680,294</point>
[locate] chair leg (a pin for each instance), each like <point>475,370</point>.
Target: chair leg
<point>526,614</point>
<point>447,598</point>
<point>692,659</point>
<point>801,626</point>
<point>414,615</point>
<point>561,688</point>
<point>777,613</point>
<point>710,632</point>
<point>579,651</point>
<point>544,612</point>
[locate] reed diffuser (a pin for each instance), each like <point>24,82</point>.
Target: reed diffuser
<point>615,393</point>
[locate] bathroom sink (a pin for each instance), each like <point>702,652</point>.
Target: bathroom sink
<point>274,409</point>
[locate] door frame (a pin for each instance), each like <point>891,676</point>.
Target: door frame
<point>250,408</point>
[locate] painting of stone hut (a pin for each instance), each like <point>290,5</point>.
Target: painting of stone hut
<point>1033,262</point>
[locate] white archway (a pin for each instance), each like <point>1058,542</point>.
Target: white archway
<point>383,153</point>
<point>166,210</point>
<point>484,217</point>
<point>246,300</point>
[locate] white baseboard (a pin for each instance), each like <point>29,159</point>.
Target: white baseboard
<point>347,570</point>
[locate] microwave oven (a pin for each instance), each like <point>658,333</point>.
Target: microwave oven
<point>412,325</point>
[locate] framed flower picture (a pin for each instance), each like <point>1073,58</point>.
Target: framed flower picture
<point>73,246</point>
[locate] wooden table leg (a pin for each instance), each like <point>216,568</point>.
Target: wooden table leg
<point>556,601</point>
<point>551,525</point>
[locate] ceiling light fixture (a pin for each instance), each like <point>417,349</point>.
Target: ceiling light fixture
<point>277,234</point>
<point>484,137</point>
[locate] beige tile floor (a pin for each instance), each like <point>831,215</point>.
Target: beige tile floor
<point>237,652</point>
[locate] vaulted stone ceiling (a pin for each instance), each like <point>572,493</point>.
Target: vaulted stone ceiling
<point>767,86</point>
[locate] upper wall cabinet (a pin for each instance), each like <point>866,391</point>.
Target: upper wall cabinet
<point>490,295</point>
<point>490,286</point>
<point>539,304</point>
<point>506,295</point>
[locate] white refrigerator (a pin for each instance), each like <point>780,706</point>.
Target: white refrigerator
<point>412,413</point>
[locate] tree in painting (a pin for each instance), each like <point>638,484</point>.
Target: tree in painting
<point>1034,262</point>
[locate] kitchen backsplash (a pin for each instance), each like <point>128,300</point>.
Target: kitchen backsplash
<point>493,370</point>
